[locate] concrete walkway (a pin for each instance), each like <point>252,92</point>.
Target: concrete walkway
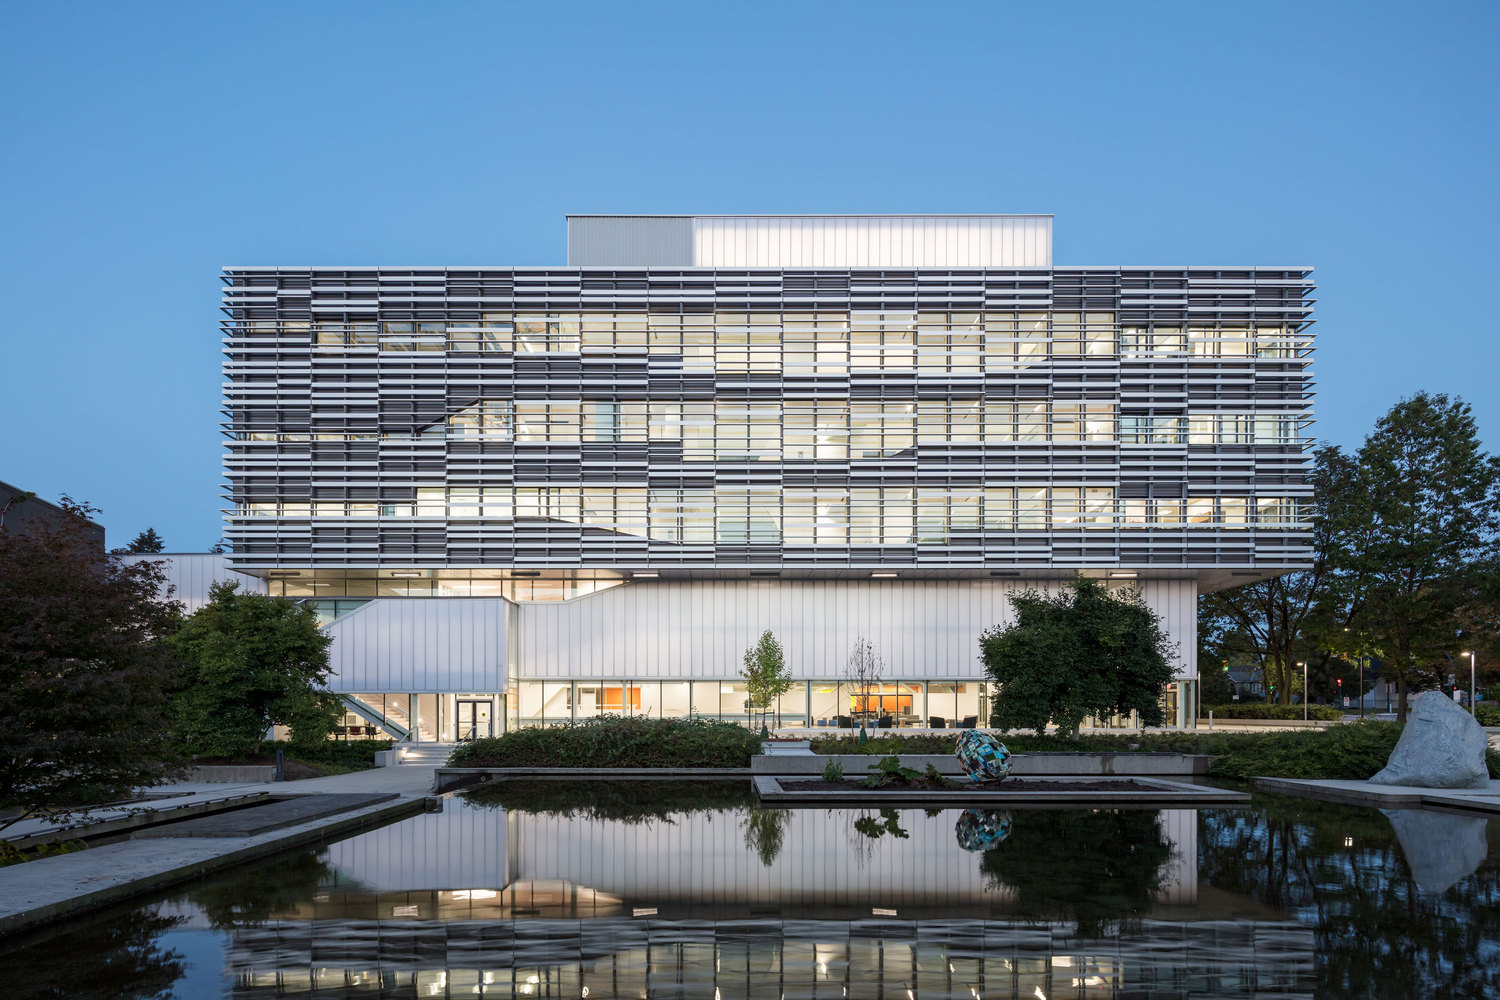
<point>50,889</point>
<point>1388,796</point>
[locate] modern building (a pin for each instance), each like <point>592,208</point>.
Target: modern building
<point>23,511</point>
<point>523,495</point>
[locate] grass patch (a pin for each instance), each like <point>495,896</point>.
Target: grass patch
<point>1354,751</point>
<point>613,741</point>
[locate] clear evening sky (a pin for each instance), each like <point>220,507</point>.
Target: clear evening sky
<point>145,145</point>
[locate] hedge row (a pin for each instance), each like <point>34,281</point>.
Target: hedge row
<point>615,742</point>
<point>1355,751</point>
<point>1317,713</point>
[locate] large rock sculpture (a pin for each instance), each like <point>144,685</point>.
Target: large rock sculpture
<point>983,756</point>
<point>1441,747</point>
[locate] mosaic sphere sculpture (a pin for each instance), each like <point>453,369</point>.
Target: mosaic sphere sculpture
<point>983,756</point>
<point>981,829</point>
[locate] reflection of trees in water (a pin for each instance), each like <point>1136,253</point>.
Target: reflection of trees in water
<point>1340,869</point>
<point>765,832</point>
<point>248,896</point>
<point>620,801</point>
<point>1096,868</point>
<point>115,959</point>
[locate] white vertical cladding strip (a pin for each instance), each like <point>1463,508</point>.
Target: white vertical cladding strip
<point>1176,601</point>
<point>420,644</point>
<point>923,629</point>
<point>701,628</point>
<point>191,574</point>
<point>872,241</point>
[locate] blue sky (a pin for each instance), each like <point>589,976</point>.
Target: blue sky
<point>146,145</point>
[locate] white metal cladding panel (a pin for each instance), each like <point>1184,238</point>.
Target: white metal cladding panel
<point>704,858</point>
<point>420,644</point>
<point>873,241</point>
<point>458,848</point>
<point>922,628</point>
<point>639,240</point>
<point>191,574</point>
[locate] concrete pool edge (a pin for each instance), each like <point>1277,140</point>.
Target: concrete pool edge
<point>1158,793</point>
<point>1362,793</point>
<point>50,889</point>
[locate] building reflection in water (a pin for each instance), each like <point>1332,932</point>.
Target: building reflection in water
<point>497,902</point>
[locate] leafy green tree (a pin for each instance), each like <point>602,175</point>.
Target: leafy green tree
<point>86,668</point>
<point>146,541</point>
<point>1215,687</point>
<point>1083,651</point>
<point>765,672</point>
<point>1295,617</point>
<point>253,662</point>
<point>1419,546</point>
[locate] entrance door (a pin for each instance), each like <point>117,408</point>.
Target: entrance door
<point>474,720</point>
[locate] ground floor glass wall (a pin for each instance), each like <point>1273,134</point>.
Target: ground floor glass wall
<point>430,717</point>
<point>447,717</point>
<point>807,704</point>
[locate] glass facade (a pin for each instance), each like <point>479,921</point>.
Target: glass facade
<point>807,704</point>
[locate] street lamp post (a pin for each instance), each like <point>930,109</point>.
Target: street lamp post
<point>1303,665</point>
<point>1472,658</point>
<point>1361,687</point>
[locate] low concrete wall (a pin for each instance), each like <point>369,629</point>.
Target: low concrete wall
<point>1028,764</point>
<point>1267,723</point>
<point>447,779</point>
<point>240,774</point>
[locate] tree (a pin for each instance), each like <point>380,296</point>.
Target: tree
<point>863,671</point>
<point>146,541</point>
<point>1291,618</point>
<point>765,672</point>
<point>1214,685</point>
<point>1416,553</point>
<point>1084,651</point>
<point>86,668</point>
<point>253,662</point>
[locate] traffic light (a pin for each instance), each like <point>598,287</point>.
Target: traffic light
<point>1340,681</point>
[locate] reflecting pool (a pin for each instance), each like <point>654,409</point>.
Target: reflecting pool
<point>693,890</point>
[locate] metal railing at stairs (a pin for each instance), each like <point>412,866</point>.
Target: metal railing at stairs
<point>373,715</point>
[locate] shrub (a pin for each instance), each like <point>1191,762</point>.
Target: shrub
<point>614,741</point>
<point>1317,713</point>
<point>833,770</point>
<point>1353,751</point>
<point>1487,715</point>
<point>345,754</point>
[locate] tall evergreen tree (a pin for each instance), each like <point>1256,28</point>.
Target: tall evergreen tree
<point>1419,545</point>
<point>146,541</point>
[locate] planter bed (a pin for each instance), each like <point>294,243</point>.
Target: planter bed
<point>1049,793</point>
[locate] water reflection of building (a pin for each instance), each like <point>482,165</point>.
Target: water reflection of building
<point>489,903</point>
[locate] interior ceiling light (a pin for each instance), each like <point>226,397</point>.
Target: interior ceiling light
<point>882,576</point>
<point>645,574</point>
<point>406,574</point>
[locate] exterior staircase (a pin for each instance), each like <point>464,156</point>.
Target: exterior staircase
<point>423,754</point>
